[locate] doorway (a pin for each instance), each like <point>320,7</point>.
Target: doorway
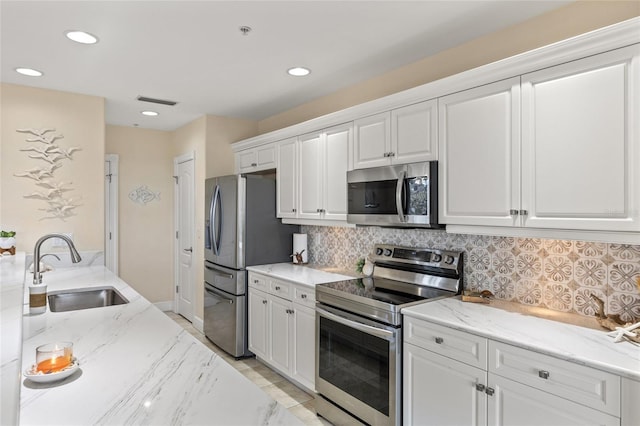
<point>111,212</point>
<point>184,201</point>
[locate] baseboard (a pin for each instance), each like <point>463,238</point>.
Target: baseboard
<point>164,306</point>
<point>198,323</point>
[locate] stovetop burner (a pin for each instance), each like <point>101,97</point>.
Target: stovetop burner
<point>402,277</point>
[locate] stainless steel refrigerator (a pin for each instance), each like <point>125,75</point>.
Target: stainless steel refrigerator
<point>241,229</point>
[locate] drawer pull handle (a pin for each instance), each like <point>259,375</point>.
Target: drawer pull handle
<point>439,340</point>
<point>254,164</point>
<point>256,281</point>
<point>303,296</point>
<point>489,391</point>
<point>277,287</point>
<point>543,374</point>
<point>480,387</point>
<point>264,302</point>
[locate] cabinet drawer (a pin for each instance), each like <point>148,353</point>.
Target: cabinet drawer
<point>280,289</point>
<point>461,346</point>
<point>584,385</point>
<point>258,281</point>
<point>305,296</point>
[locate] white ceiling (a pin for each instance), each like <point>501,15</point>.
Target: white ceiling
<point>193,52</point>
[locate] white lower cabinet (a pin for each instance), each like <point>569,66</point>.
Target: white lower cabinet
<point>447,381</point>
<point>282,327</point>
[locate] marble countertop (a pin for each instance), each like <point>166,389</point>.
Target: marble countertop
<point>12,270</point>
<point>580,344</point>
<point>137,366</point>
<point>300,274</point>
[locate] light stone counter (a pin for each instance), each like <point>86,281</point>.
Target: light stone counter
<point>583,345</point>
<point>137,366</point>
<point>11,296</point>
<point>300,274</point>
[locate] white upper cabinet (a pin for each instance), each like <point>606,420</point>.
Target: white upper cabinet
<point>403,135</point>
<point>336,163</point>
<point>372,141</point>
<point>323,173</point>
<point>312,175</point>
<point>286,179</point>
<point>580,144</point>
<point>414,133</point>
<point>479,167</point>
<point>557,148</point>
<point>256,159</point>
<point>310,179</point>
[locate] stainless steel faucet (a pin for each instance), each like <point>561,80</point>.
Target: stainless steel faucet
<point>75,256</point>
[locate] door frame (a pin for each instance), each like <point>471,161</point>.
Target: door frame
<point>189,156</point>
<point>111,239</point>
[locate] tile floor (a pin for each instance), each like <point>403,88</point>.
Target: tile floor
<point>298,402</point>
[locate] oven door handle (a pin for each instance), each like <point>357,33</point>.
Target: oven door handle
<point>375,331</point>
<point>399,190</point>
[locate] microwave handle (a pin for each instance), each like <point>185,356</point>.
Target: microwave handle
<point>399,190</point>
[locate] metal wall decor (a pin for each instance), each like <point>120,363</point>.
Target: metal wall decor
<point>42,147</point>
<point>143,195</point>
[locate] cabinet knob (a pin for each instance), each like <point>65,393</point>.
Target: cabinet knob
<point>513,212</point>
<point>489,391</point>
<point>264,302</point>
<point>523,212</point>
<point>254,164</point>
<point>439,340</point>
<point>543,374</point>
<point>277,287</point>
<point>293,210</point>
<point>480,387</point>
<point>256,281</point>
<point>303,296</point>
<point>392,154</point>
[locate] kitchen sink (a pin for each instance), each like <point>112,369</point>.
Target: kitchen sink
<point>84,298</point>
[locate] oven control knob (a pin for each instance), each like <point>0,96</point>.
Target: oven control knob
<point>448,260</point>
<point>387,252</point>
<point>379,251</point>
<point>436,257</point>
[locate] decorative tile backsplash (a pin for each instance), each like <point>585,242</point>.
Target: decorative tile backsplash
<point>555,274</point>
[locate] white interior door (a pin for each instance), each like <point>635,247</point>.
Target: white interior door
<point>111,212</point>
<point>184,219</point>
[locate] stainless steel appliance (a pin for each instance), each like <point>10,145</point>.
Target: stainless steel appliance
<point>402,195</point>
<point>241,229</point>
<point>359,331</point>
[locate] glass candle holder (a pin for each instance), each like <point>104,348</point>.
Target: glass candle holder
<point>53,357</point>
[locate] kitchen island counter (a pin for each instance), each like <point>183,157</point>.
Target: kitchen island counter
<point>583,345</point>
<point>137,366</point>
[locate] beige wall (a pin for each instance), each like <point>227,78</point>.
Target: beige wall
<point>80,119</point>
<point>221,133</point>
<point>571,20</point>
<point>145,230</point>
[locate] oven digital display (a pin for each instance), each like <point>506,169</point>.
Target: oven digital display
<point>408,254</point>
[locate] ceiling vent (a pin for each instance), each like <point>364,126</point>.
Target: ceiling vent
<point>156,101</point>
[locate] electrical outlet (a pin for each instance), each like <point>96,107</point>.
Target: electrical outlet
<point>59,242</point>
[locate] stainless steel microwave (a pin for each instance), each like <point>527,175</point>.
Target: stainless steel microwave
<point>404,195</point>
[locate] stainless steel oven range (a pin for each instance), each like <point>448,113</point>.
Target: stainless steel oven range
<point>359,331</point>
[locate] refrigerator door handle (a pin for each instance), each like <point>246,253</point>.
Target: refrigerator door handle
<point>217,272</point>
<point>219,216</point>
<point>212,206</point>
<point>213,215</point>
<point>218,294</point>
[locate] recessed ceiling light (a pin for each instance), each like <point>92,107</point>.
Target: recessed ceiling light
<point>29,72</point>
<point>81,37</point>
<point>298,71</point>
<point>149,113</point>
